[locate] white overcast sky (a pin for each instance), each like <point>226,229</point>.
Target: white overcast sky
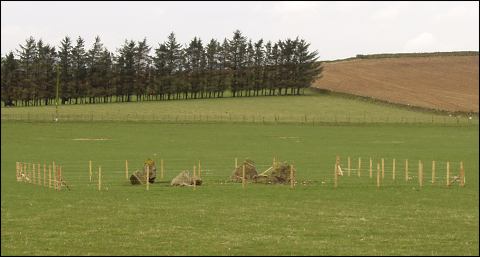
<point>335,29</point>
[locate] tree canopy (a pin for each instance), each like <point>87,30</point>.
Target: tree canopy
<point>199,69</point>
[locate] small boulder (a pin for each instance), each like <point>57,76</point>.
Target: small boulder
<point>140,177</point>
<point>184,179</point>
<point>250,171</point>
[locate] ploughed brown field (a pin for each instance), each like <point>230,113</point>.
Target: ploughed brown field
<point>448,83</point>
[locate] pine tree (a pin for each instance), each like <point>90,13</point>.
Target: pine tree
<point>175,59</point>
<point>79,70</point>
<point>94,75</point>
<point>249,74</point>
<point>65,64</point>
<point>287,65</point>
<point>161,70</point>
<point>212,57</point>
<point>142,66</point>
<point>275,70</point>
<point>268,65</point>
<point>48,71</point>
<point>225,71</point>
<point>39,77</point>
<point>127,68</point>
<point>10,79</point>
<point>258,61</point>
<point>195,63</point>
<point>308,68</point>
<point>105,71</point>
<point>236,59</point>
<point>27,56</point>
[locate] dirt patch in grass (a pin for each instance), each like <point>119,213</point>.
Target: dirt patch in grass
<point>91,139</point>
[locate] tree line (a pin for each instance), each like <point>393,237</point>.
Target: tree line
<point>196,70</point>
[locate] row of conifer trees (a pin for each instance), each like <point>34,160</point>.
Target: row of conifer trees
<point>196,70</point>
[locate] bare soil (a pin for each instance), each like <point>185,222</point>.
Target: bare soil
<point>448,83</point>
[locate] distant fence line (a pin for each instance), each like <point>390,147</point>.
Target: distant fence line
<point>243,118</point>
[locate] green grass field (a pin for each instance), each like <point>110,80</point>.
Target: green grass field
<point>221,218</point>
<point>312,107</point>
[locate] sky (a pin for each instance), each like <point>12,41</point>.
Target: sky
<point>335,29</point>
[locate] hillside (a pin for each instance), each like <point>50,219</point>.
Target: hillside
<point>448,83</point>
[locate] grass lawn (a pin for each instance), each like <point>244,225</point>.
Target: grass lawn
<point>219,217</point>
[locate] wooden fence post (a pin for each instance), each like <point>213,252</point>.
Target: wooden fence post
<point>22,171</point>
<point>126,169</point>
<point>359,165</point>
<point>60,178</point>
<point>25,171</point>
<point>194,178</point>
<point>393,174</point>
<point>370,167</point>
<point>406,170</point>
<point>448,173</point>
<point>433,172</point>
<point>33,174</point>
<point>55,177</point>
<point>383,168</point>
<point>378,175</point>
<point>243,176</point>
<point>462,175</point>
<point>36,182</point>
<point>49,176</point>
<point>292,183</point>
<point>147,179</point>
<point>38,175</point>
<point>29,173</point>
<point>199,170</point>
<point>44,174</point>
<point>18,173</point>
<point>53,170</point>
<point>99,178</point>
<point>349,166</point>
<point>90,169</point>
<point>55,174</point>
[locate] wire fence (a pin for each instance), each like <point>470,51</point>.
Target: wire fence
<point>361,172</point>
<point>244,118</point>
<point>401,172</point>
